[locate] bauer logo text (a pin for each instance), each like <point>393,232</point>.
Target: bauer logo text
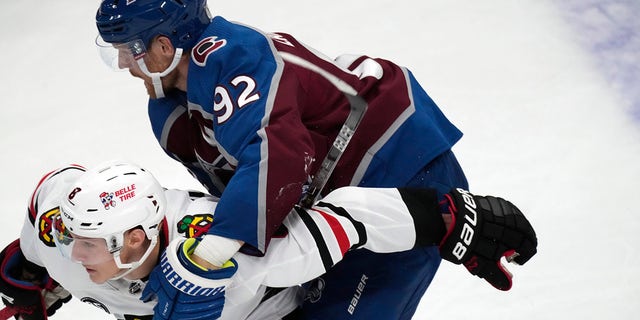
<point>356,297</point>
<point>471,219</point>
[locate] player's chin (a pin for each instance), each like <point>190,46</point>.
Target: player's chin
<point>97,277</point>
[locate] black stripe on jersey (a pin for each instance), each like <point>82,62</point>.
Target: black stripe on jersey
<point>32,215</point>
<point>196,194</point>
<point>325,255</point>
<point>130,317</point>
<point>359,226</point>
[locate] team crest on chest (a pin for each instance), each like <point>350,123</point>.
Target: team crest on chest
<point>45,227</point>
<point>206,47</point>
<point>196,225</point>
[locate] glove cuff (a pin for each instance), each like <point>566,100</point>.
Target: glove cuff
<point>456,245</point>
<point>187,278</point>
<point>188,247</point>
<point>427,216</point>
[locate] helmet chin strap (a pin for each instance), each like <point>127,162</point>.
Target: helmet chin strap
<point>133,265</point>
<point>156,77</point>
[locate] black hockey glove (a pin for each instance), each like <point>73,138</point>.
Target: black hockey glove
<point>27,287</point>
<point>483,230</point>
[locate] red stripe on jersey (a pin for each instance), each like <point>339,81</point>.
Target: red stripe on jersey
<point>164,234</point>
<point>338,231</point>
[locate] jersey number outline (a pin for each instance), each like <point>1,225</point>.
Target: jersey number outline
<point>223,104</point>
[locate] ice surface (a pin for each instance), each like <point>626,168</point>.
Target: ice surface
<point>545,92</point>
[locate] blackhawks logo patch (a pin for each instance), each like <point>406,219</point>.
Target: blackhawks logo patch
<point>45,227</point>
<point>194,226</point>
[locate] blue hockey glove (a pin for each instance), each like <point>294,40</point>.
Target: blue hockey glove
<point>484,230</point>
<point>185,290</point>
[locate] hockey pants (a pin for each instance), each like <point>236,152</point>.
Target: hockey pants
<point>366,285</point>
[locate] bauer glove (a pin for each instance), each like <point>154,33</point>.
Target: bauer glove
<point>27,290</point>
<point>483,230</point>
<point>185,290</point>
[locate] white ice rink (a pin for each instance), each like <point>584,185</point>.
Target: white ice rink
<point>546,92</point>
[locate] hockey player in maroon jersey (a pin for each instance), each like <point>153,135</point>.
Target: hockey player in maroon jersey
<point>252,114</point>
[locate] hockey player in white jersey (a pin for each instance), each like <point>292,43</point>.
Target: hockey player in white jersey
<point>97,235</point>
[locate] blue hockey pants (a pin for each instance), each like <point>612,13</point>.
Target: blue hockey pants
<point>367,285</point>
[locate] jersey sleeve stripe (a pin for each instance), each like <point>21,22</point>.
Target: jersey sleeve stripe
<point>338,231</point>
<point>360,228</point>
<point>325,255</point>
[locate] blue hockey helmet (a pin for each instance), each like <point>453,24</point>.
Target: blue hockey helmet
<point>182,21</point>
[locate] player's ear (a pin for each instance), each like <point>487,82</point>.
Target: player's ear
<point>135,238</point>
<point>163,45</point>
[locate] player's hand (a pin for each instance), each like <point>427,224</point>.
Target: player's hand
<point>484,230</point>
<point>27,288</point>
<point>184,289</point>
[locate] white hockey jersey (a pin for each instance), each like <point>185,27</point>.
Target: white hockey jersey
<point>315,239</point>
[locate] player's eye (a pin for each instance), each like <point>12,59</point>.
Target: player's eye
<point>87,244</point>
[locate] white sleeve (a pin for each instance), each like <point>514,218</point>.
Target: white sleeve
<point>348,218</point>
